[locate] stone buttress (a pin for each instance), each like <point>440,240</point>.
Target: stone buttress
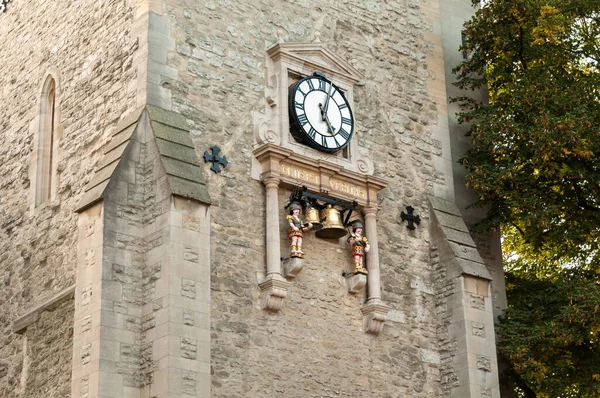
<point>142,293</point>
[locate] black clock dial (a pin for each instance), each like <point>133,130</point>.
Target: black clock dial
<point>320,115</point>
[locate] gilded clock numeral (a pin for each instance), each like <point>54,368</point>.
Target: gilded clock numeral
<point>344,134</point>
<point>302,119</point>
<point>346,120</point>
<point>322,85</point>
<point>299,105</point>
<point>312,133</point>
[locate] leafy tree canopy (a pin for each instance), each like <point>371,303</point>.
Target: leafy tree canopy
<point>536,145</point>
<point>535,162</point>
<point>551,334</point>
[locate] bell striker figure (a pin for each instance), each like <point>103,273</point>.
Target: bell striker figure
<point>360,246</point>
<point>297,227</point>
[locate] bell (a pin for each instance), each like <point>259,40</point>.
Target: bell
<point>332,226</point>
<point>312,216</point>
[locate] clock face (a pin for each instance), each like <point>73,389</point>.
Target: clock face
<point>320,115</point>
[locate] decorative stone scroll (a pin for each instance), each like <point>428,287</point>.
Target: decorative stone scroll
<point>281,167</point>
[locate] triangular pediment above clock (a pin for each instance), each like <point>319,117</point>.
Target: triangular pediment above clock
<point>314,56</point>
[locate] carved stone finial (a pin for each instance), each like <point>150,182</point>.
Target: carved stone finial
<point>317,37</point>
<point>280,36</point>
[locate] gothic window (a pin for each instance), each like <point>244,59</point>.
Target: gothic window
<point>47,142</point>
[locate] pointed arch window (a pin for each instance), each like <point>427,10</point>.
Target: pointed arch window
<point>47,140</point>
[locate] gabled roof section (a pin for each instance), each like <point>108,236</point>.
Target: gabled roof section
<point>316,57</point>
<point>178,154</point>
<point>174,144</point>
<point>458,238</point>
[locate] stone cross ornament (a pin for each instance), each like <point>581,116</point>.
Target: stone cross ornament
<point>214,158</point>
<point>3,4</point>
<point>411,218</point>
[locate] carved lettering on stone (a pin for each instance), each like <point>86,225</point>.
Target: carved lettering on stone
<point>347,188</point>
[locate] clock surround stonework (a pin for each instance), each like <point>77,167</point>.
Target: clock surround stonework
<point>281,162</point>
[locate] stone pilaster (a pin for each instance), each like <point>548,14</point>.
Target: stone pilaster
<point>274,287</point>
<point>374,311</point>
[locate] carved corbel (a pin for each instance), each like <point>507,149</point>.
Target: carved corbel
<point>355,282</point>
<point>274,291</point>
<point>292,267</point>
<point>374,316</point>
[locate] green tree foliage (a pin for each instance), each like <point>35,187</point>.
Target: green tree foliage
<point>536,146</point>
<point>551,333</point>
<point>535,162</point>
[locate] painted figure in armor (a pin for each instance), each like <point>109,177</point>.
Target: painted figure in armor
<point>297,227</point>
<point>360,246</point>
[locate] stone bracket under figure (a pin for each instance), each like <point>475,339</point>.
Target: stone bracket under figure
<point>360,246</point>
<point>297,228</point>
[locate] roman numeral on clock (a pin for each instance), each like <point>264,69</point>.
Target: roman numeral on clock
<point>322,85</point>
<point>323,141</point>
<point>346,120</point>
<point>342,105</point>
<point>310,84</point>
<point>302,119</point>
<point>312,133</point>
<point>299,105</point>
<point>344,134</point>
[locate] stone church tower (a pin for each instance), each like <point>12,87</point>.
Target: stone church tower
<point>149,154</point>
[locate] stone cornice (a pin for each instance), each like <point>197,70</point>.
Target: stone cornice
<point>318,175</point>
<point>316,57</point>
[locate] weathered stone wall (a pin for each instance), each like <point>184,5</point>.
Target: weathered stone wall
<point>316,344</point>
<point>91,45</point>
<point>47,364</point>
